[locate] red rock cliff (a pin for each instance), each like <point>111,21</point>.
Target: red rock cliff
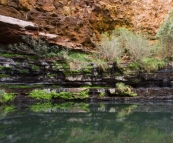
<point>78,23</point>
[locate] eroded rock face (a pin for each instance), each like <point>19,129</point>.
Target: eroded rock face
<point>78,23</point>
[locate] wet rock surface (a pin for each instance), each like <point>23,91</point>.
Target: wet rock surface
<point>20,75</point>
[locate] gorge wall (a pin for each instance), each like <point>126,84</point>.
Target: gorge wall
<point>78,23</point>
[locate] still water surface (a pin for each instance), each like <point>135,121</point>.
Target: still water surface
<point>87,123</point>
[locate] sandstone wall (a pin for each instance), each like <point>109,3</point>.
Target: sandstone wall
<point>78,23</point>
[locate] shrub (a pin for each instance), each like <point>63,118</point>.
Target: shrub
<point>33,46</point>
<point>165,35</point>
<point>135,44</point>
<point>122,41</point>
<point>6,97</point>
<point>134,66</point>
<point>151,64</point>
<point>109,48</point>
<point>124,90</point>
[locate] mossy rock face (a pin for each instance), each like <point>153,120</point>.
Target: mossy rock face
<point>6,97</point>
<point>4,75</point>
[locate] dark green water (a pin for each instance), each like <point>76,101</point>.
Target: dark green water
<point>87,123</point>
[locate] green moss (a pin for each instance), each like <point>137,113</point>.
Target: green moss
<point>82,94</point>
<point>51,75</point>
<point>44,95</point>
<point>67,73</point>
<point>40,95</point>
<point>3,75</point>
<point>75,72</point>
<point>101,94</point>
<point>6,97</point>
<point>65,66</point>
<point>24,71</point>
<point>7,55</point>
<point>12,55</point>
<point>35,68</point>
<point>118,74</point>
<point>87,69</point>
<point>21,86</point>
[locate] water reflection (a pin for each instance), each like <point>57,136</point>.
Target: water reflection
<point>87,123</point>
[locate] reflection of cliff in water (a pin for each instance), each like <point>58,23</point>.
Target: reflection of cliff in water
<point>101,122</point>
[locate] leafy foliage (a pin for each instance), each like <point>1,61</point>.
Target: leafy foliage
<point>33,46</point>
<point>135,45</point>
<point>101,94</point>
<point>40,94</point>
<point>122,41</point>
<point>124,90</point>
<point>45,95</point>
<point>151,64</point>
<point>6,97</point>
<point>165,35</point>
<point>109,48</point>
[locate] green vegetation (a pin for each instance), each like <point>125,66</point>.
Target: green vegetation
<point>82,94</point>
<point>35,68</point>
<point>40,94</point>
<point>21,86</point>
<point>135,45</point>
<point>124,90</point>
<point>151,64</point>
<point>6,97</point>
<point>165,36</point>
<point>24,71</point>
<point>101,94</point>
<point>10,55</point>
<point>3,75</point>
<point>76,61</point>
<point>142,55</point>
<point>51,75</point>
<point>134,66</point>
<point>109,48</point>
<point>123,42</point>
<point>45,95</point>
<point>36,47</point>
